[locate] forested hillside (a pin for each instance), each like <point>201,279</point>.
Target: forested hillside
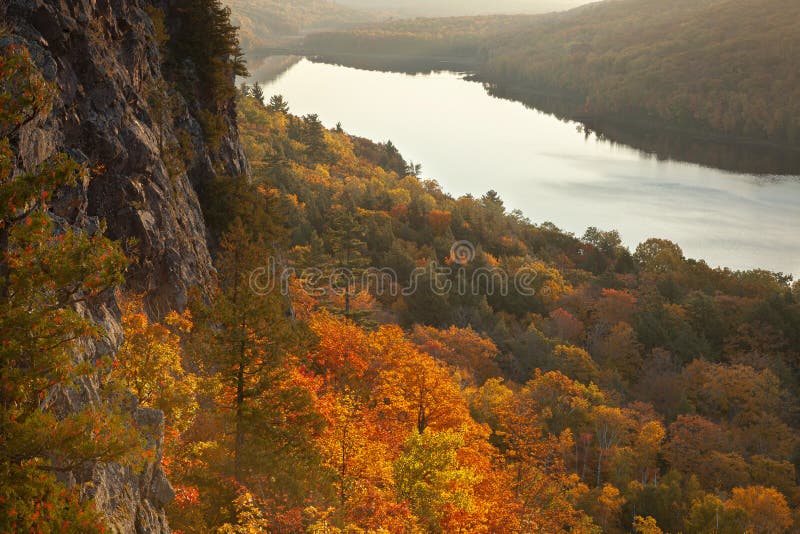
<point>367,353</point>
<point>452,36</point>
<point>631,390</point>
<point>445,8</point>
<point>725,66</point>
<point>264,23</point>
<point>714,66</point>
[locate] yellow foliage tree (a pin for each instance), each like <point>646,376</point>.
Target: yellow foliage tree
<point>150,363</point>
<point>766,509</point>
<point>413,388</point>
<point>356,453</point>
<point>576,363</point>
<point>250,518</point>
<point>646,525</point>
<point>541,484</point>
<point>609,504</point>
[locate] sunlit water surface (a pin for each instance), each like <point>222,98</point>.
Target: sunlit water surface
<point>471,142</point>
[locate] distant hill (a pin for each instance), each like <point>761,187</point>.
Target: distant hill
<point>447,36</point>
<point>271,22</point>
<point>265,23</point>
<point>727,66</point>
<point>442,8</point>
<point>719,67</point>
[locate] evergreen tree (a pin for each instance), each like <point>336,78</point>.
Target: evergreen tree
<point>228,198</point>
<point>247,344</point>
<point>413,169</point>
<point>277,104</point>
<point>46,273</point>
<point>203,57</point>
<point>312,135</point>
<point>258,93</point>
<point>392,159</point>
<point>348,248</point>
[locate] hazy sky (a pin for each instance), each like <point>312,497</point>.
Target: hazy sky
<point>463,7</point>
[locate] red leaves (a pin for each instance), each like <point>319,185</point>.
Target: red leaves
<point>186,496</point>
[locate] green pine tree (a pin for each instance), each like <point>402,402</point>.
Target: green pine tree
<point>47,273</point>
<point>247,344</point>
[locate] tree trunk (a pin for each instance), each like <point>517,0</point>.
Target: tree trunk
<point>422,419</point>
<point>347,298</point>
<point>4,271</point>
<point>239,445</point>
<point>599,466</point>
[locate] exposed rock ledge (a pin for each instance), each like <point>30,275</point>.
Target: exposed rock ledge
<point>103,58</point>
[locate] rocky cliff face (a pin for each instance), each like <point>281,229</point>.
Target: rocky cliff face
<point>104,59</point>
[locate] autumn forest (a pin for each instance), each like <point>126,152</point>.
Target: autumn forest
<point>618,389</point>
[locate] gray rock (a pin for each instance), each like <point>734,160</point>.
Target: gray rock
<point>103,58</point>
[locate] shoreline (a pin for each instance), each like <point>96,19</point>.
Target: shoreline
<point>651,136</point>
<point>519,91</point>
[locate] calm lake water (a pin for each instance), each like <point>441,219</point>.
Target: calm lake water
<point>471,142</point>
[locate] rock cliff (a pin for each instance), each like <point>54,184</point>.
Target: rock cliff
<point>104,58</point>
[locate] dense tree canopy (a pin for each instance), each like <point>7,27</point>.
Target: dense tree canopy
<point>609,402</point>
<point>705,65</point>
<point>367,386</point>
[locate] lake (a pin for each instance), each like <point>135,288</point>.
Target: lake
<point>471,142</point>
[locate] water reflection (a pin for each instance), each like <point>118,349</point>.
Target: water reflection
<point>739,156</point>
<point>471,142</point>
<point>663,143</point>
